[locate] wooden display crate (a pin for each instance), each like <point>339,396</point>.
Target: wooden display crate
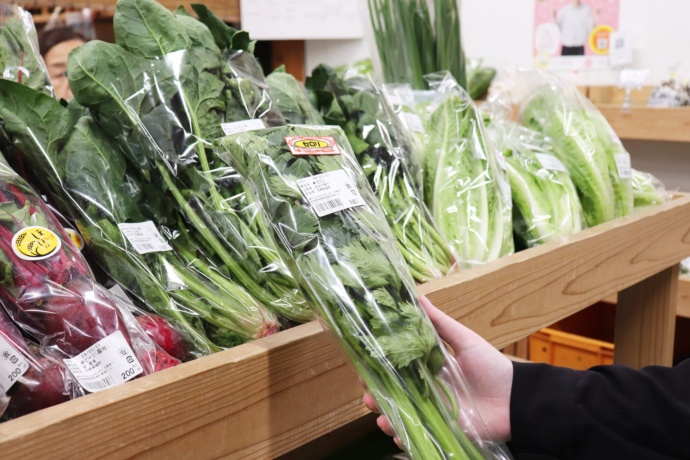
<point>568,350</point>
<point>266,398</point>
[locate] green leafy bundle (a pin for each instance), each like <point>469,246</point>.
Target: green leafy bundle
<point>585,143</point>
<point>479,79</point>
<point>291,99</point>
<point>466,190</point>
<point>418,37</point>
<point>375,135</point>
<point>166,88</point>
<point>91,180</point>
<point>545,201</point>
<point>647,190</point>
<point>349,269</point>
<point>20,59</point>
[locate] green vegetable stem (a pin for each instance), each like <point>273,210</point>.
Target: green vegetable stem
<point>350,271</point>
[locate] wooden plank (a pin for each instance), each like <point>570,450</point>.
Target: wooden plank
<point>268,397</point>
<point>289,53</point>
<point>684,297</point>
<point>646,319</point>
<point>616,96</point>
<point>644,123</point>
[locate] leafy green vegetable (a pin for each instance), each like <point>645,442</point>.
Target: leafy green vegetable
<point>351,272</point>
<point>479,79</point>
<point>168,106</point>
<point>375,135</point>
<point>92,181</point>
<point>466,190</point>
<point>584,142</point>
<point>647,189</point>
<point>292,99</point>
<point>20,59</point>
<point>418,37</point>
<point>545,201</point>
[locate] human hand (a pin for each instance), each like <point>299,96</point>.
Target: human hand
<point>488,374</point>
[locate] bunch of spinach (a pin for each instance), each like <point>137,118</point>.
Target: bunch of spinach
<point>166,88</point>
<point>292,99</point>
<point>374,134</point>
<point>91,180</point>
<point>356,278</point>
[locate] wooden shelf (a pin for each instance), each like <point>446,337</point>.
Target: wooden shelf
<point>649,124</point>
<point>266,398</point>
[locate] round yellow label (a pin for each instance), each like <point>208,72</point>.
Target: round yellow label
<point>75,237</point>
<point>35,243</point>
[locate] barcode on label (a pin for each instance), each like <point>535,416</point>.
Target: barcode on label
<point>623,165</point>
<point>103,384</point>
<point>328,205</point>
<point>330,192</point>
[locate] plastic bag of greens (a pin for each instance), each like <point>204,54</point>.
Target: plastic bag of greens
<point>128,224</point>
<point>49,292</point>
<point>179,94</point>
<point>647,190</point>
<point>465,188</point>
<point>376,136</point>
<point>583,140</point>
<point>31,380</point>
<point>331,230</point>
<point>20,59</point>
<point>292,99</point>
<point>545,201</point>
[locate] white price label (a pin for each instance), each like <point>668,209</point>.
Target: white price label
<point>330,192</point>
<point>624,166</point>
<point>413,122</point>
<point>145,237</point>
<point>108,363</point>
<point>242,126</point>
<point>551,163</point>
<point>12,365</point>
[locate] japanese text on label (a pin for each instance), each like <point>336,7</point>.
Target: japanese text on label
<point>330,192</point>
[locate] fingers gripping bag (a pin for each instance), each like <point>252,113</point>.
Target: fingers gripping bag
<point>583,140</point>
<point>333,234</point>
<point>375,134</point>
<point>48,290</point>
<point>20,58</point>
<point>545,201</point>
<point>466,189</point>
<point>179,94</point>
<point>32,381</point>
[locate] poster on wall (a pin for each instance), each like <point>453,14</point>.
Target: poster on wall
<point>574,34</point>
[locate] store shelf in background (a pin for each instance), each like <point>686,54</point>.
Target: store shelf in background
<point>641,122</point>
<point>683,308</point>
<point>568,350</point>
<point>269,397</point>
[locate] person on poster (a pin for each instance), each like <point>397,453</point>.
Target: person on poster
<point>576,21</point>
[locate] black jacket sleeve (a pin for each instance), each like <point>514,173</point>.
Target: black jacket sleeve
<point>606,412</point>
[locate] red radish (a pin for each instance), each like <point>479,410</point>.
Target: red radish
<point>164,334</point>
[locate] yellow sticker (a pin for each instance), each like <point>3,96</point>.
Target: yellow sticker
<point>35,243</point>
<point>600,39</point>
<point>75,237</point>
<point>312,145</point>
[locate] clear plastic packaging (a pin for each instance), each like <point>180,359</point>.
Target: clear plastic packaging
<point>49,292</point>
<point>332,232</point>
<point>292,99</point>
<point>647,190</point>
<point>545,201</point>
<point>583,140</point>
<point>31,380</point>
<point>4,402</point>
<point>466,189</point>
<point>20,59</point>
<point>377,140</point>
<point>165,112</point>
<point>129,226</point>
